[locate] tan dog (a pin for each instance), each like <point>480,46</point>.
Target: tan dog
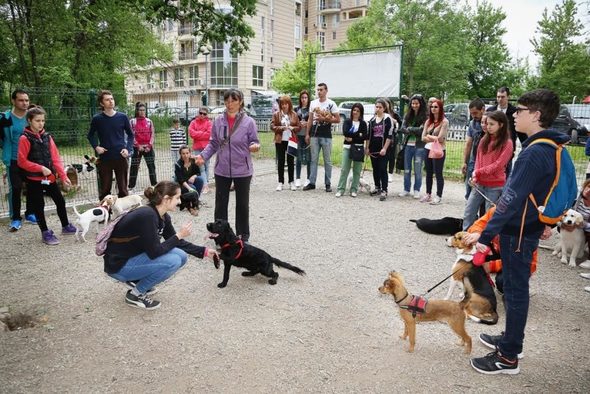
<point>572,241</point>
<point>464,252</point>
<point>435,310</point>
<point>120,204</point>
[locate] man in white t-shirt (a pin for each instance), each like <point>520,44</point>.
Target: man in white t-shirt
<point>319,135</point>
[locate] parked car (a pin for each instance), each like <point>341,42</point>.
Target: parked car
<point>581,113</point>
<point>570,126</point>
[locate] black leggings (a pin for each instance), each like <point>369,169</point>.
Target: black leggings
<point>242,188</point>
<point>435,167</point>
<point>35,192</point>
<point>149,161</point>
<point>379,164</point>
<point>281,150</point>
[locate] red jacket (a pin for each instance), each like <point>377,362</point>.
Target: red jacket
<point>490,167</point>
<point>144,132</point>
<point>24,147</point>
<point>200,131</point>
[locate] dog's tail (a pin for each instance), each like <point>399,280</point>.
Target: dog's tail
<point>413,220</point>
<point>288,266</point>
<point>76,211</point>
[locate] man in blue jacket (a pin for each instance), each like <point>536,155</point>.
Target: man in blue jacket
<point>111,137</point>
<point>14,123</point>
<point>516,221</point>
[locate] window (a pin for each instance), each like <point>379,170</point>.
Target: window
<point>272,29</point>
<point>333,35</point>
<point>322,40</point>
<point>262,51</point>
<point>298,9</point>
<point>224,66</point>
<point>335,20</point>
<point>187,51</point>
<point>163,79</point>
<point>149,79</point>
<point>193,75</point>
<point>257,76</point>
<point>178,78</point>
<point>272,51</point>
<point>262,25</point>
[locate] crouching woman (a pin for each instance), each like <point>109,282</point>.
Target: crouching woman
<point>136,256</point>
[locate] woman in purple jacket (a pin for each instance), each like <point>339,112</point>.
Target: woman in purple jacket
<point>233,137</point>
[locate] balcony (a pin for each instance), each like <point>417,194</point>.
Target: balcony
<point>329,6</point>
<point>187,56</point>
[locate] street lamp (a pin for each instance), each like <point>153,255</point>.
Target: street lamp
<point>206,52</point>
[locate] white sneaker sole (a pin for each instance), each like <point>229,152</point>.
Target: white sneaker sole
<point>514,371</point>
<point>140,305</point>
<point>520,355</point>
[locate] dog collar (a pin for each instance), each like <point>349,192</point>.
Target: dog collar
<point>403,298</point>
<point>238,242</point>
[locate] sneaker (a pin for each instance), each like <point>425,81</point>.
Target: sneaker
<point>435,200</point>
<point>338,194</point>
<point>403,194</point>
<point>383,196</point>
<point>307,182</point>
<point>587,288</point>
<point>297,182</point>
<point>279,187</point>
<point>131,284</point>
<point>49,238</point>
<point>494,363</point>
<point>142,301</point>
<point>31,219</point>
<point>425,198</point>
<point>293,187</point>
<point>491,341</point>
<point>416,194</point>
<point>15,225</point>
<point>585,275</point>
<point>205,189</point>
<point>585,264</point>
<point>69,229</point>
<point>309,186</point>
<point>389,178</point>
<point>353,194</point>
<point>328,189</point>
<point>375,192</point>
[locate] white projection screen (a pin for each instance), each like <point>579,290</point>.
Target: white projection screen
<point>360,74</point>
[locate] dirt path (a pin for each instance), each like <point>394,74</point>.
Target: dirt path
<point>328,332</point>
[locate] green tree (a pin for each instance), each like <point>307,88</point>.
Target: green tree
<point>293,77</point>
<point>564,60</point>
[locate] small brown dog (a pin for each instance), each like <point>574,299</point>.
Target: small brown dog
<point>435,310</point>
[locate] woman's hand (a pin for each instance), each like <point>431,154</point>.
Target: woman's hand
<point>185,230</point>
<point>546,233</point>
<point>212,254</point>
<point>199,160</point>
<point>254,147</point>
<point>192,179</point>
<point>46,171</point>
<point>382,152</point>
<point>471,238</point>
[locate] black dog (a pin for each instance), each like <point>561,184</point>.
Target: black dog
<point>446,225</point>
<point>191,202</point>
<point>235,252</point>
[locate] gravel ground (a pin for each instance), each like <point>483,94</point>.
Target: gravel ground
<point>330,331</point>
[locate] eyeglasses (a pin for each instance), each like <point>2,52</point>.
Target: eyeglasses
<point>520,109</point>
<point>203,113</point>
<point>433,106</point>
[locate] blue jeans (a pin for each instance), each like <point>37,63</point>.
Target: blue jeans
<point>415,155</point>
<point>516,272</point>
<point>204,168</point>
<point>151,272</point>
<point>475,200</point>
<point>325,144</point>
<point>303,157</point>
<point>468,173</point>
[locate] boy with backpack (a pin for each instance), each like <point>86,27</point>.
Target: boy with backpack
<point>519,223</point>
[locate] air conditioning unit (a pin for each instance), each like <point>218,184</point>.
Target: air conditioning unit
<point>324,25</point>
<point>315,25</point>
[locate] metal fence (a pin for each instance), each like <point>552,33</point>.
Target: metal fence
<point>73,146</point>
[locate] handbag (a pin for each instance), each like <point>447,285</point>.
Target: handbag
<point>357,152</point>
<point>436,151</point>
<point>399,159</point>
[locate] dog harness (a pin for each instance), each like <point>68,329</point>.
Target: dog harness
<point>417,305</point>
<point>238,242</point>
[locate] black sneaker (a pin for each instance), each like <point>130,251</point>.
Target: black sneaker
<point>142,301</point>
<point>328,188</point>
<point>311,186</point>
<point>131,284</point>
<point>375,192</point>
<point>494,363</point>
<point>491,341</point>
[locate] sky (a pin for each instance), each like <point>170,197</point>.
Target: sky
<point>521,22</point>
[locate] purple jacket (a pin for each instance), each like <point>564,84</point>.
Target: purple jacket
<point>233,154</point>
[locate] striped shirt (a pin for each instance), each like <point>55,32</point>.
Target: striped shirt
<point>177,139</point>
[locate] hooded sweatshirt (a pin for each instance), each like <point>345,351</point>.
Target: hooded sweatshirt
<point>533,172</point>
<point>200,131</point>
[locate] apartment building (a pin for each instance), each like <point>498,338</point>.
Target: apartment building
<point>281,26</point>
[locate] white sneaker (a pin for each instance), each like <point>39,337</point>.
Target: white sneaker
<point>585,264</point>
<point>306,182</point>
<point>279,187</point>
<point>353,194</point>
<point>435,200</point>
<point>416,194</point>
<point>389,178</point>
<point>297,182</point>
<point>338,194</point>
<point>425,198</point>
<point>403,193</point>
<point>587,288</point>
<point>293,187</point>
<point>585,275</point>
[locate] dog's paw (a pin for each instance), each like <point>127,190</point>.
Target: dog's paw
<point>216,261</point>
<point>563,261</point>
<point>554,253</point>
<point>221,285</point>
<point>272,281</point>
<point>572,264</point>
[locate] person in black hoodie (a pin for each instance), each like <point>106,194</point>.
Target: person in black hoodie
<point>355,133</point>
<point>135,255</point>
<point>517,223</point>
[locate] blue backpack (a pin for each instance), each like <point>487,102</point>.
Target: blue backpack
<point>564,189</point>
